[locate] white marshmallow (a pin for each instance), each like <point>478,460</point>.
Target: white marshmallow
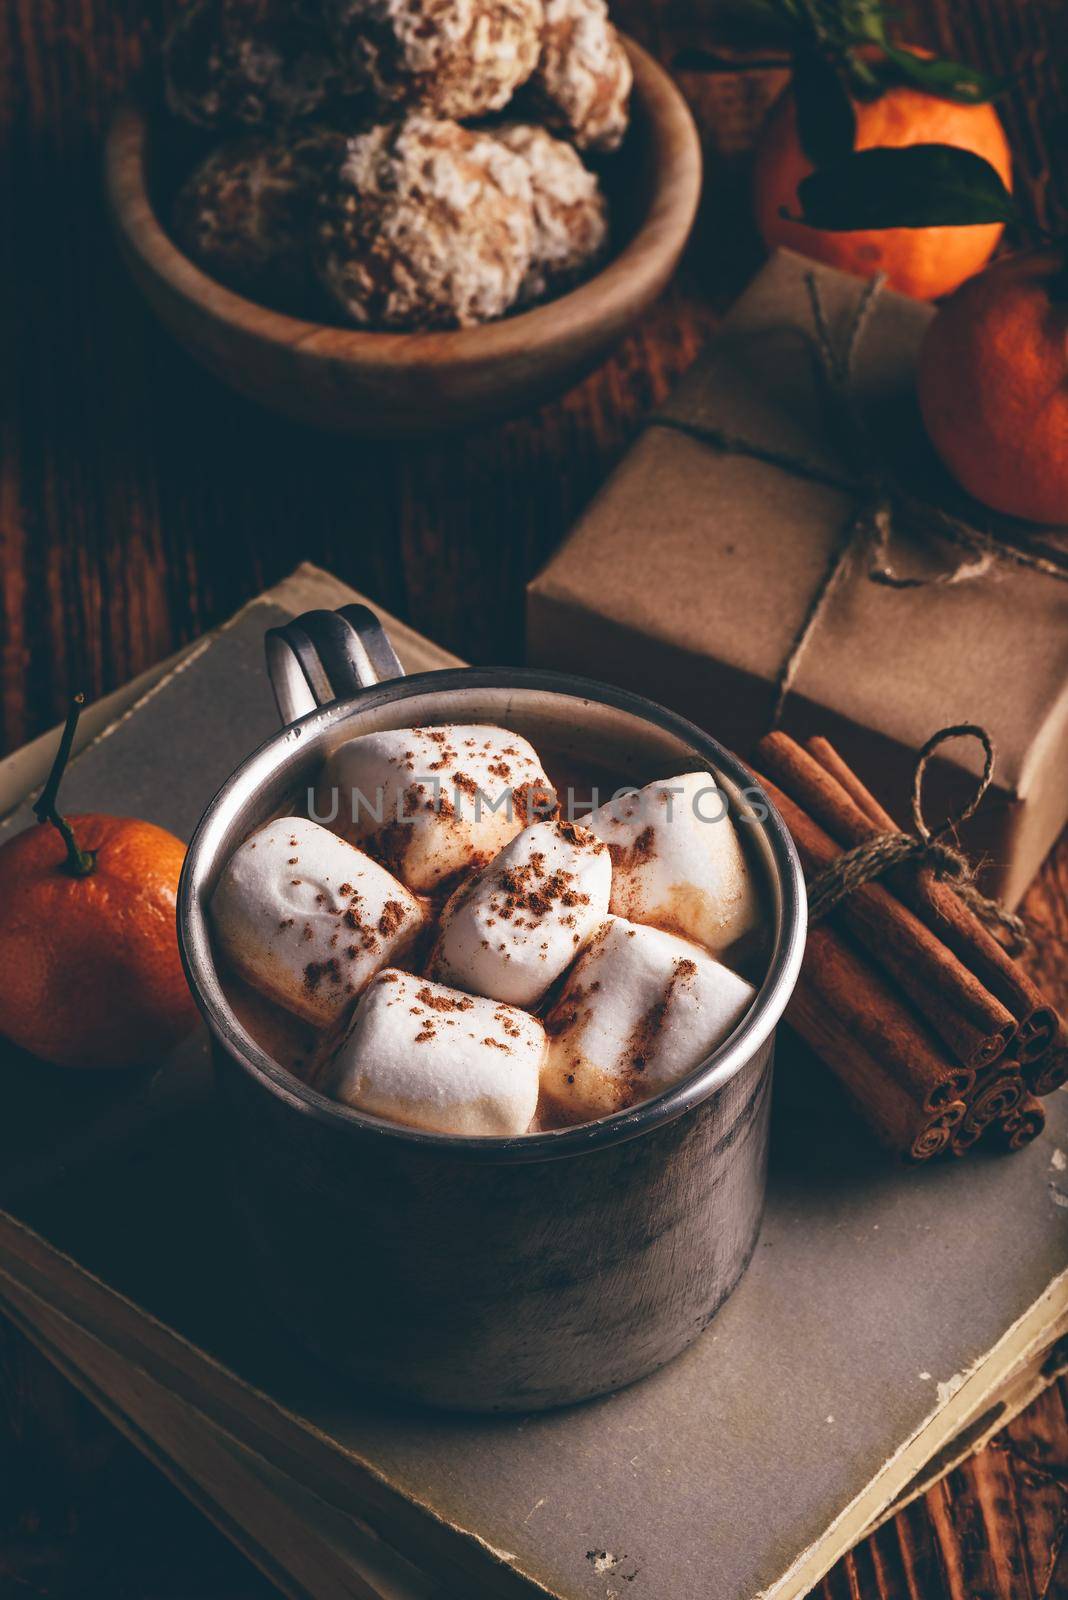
<point>308,920</point>
<point>640,1009</point>
<point>419,799</point>
<point>430,1057</point>
<point>511,931</point>
<point>677,862</point>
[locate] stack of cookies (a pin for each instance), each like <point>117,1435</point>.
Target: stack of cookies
<point>397,164</point>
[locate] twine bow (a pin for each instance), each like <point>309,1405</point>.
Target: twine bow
<point>878,855</point>
<point>882,504</point>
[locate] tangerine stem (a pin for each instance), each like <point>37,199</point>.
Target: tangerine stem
<point>79,863</point>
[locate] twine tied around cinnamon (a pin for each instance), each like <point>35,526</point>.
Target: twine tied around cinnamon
<point>882,504</point>
<point>870,860</point>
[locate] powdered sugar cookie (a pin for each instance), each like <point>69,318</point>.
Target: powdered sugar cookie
<point>570,215</point>
<point>427,225</point>
<point>583,77</point>
<point>246,213</point>
<point>456,58</point>
<point>247,64</point>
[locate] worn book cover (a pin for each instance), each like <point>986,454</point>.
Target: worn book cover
<point>882,1313</point>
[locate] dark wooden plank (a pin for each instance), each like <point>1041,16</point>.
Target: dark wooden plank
<point>140,502</point>
<point>83,1514</point>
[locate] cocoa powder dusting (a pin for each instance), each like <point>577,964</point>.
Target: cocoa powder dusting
<point>642,1044</point>
<point>628,857</point>
<point>567,1013</point>
<point>443,1002</point>
<point>316,971</point>
<point>572,832</point>
<point>532,802</point>
<point>389,844</point>
<point>529,888</point>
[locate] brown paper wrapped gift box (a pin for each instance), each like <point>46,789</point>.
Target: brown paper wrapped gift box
<point>692,572</point>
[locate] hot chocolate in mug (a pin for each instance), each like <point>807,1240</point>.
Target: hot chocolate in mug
<point>493,1273</point>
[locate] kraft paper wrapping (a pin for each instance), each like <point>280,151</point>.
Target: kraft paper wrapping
<point>693,569</point>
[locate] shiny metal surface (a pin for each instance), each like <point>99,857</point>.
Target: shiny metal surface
<point>511,1310</point>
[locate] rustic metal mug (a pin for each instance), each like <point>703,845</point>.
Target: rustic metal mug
<point>495,1273</point>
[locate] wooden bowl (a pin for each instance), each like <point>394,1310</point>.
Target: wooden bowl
<point>390,384</point>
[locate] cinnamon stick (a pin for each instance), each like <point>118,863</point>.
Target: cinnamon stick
<point>998,1097</point>
<point>1050,1070</point>
<point>851,813</point>
<point>913,1033</point>
<point>1022,1126</point>
<point>964,1139</point>
<point>938,1133</point>
<point>823,751</point>
<point>974,1027</point>
<point>883,1054</point>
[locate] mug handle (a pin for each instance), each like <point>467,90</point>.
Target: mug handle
<point>327,655</point>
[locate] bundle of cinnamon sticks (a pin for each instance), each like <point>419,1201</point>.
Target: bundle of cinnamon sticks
<point>938,1035</point>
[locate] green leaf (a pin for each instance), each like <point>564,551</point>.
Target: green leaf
<point>867,23</point>
<point>949,80</point>
<point>826,124</point>
<point>919,186</point>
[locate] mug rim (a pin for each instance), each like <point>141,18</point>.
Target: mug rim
<point>722,1064</point>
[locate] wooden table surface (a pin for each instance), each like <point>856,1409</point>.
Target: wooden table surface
<point>140,503</point>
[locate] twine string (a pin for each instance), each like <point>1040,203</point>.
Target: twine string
<point>882,505</point>
<point>927,846</point>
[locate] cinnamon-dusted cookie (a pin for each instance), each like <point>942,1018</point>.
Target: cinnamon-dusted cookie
<point>455,58</point>
<point>246,213</point>
<point>248,64</point>
<point>570,215</point>
<point>583,77</point>
<point>426,225</point>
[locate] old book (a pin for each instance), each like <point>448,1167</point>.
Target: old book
<point>305,1547</point>
<point>884,1312</point>
<point>285,1529</point>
